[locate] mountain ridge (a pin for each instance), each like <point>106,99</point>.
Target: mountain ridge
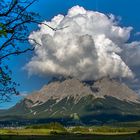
<point>75,101</point>
<point>76,88</point>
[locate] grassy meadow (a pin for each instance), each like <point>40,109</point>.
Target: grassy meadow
<point>55,131</point>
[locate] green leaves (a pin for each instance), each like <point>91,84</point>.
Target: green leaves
<point>3,30</point>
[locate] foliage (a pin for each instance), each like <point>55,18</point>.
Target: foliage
<point>102,130</point>
<point>80,129</point>
<point>6,84</point>
<point>3,30</point>
<point>14,20</point>
<point>80,133</point>
<point>52,126</point>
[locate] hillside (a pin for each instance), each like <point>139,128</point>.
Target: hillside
<point>75,102</point>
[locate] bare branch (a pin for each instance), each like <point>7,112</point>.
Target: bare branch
<point>14,30</point>
<point>17,52</point>
<point>27,39</point>
<point>61,28</point>
<point>54,29</point>
<point>19,14</point>
<point>6,42</point>
<point>10,8</point>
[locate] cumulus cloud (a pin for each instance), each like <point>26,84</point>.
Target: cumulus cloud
<point>89,48</point>
<point>131,53</point>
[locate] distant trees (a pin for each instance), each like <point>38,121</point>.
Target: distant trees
<point>52,126</point>
<point>14,20</point>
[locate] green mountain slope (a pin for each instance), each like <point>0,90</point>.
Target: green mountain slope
<point>72,101</point>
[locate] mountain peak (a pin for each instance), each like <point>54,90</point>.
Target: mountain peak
<point>112,87</point>
<point>90,101</point>
<point>61,89</point>
<point>77,89</point>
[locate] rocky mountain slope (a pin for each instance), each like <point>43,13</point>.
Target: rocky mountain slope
<point>74,101</point>
<point>77,89</point>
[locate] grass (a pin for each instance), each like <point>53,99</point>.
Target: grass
<point>28,131</point>
<point>104,130</point>
<point>57,131</point>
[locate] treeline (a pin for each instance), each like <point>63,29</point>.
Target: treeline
<point>102,129</point>
<point>55,127</point>
<point>52,126</point>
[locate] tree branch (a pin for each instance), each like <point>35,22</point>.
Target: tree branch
<point>19,14</point>
<point>17,52</point>
<point>10,9</point>
<point>7,41</point>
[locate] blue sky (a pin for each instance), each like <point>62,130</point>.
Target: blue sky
<point>128,10</point>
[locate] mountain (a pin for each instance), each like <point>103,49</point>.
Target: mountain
<point>71,101</point>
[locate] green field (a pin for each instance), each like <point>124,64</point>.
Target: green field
<point>54,131</point>
<point>69,131</point>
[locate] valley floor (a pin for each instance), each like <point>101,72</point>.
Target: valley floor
<point>53,131</point>
<point>71,133</point>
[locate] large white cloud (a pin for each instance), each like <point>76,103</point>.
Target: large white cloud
<point>131,53</point>
<point>89,48</point>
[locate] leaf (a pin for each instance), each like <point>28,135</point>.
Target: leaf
<point>3,33</point>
